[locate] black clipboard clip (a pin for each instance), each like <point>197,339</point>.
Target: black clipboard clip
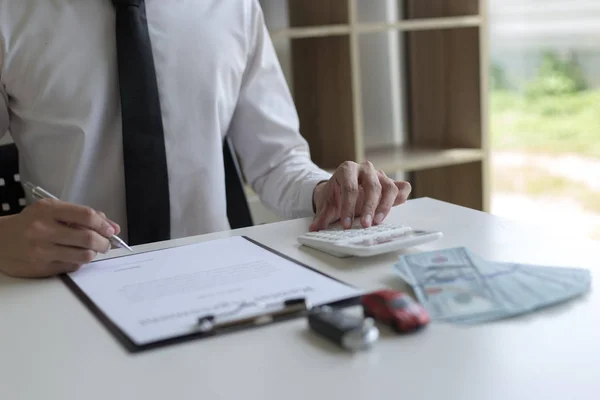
<point>209,324</point>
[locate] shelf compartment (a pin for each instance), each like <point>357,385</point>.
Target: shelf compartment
<point>443,70</point>
<point>322,68</point>
<point>440,8</point>
<point>457,184</point>
<point>407,158</point>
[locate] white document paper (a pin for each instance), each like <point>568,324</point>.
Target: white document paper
<point>160,294</point>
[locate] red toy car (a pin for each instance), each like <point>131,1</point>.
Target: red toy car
<point>396,309</point>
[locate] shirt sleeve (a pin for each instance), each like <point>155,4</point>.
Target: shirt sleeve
<point>274,157</point>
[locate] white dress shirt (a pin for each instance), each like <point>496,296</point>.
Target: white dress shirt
<point>217,75</point>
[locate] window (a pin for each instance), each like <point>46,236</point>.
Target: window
<point>544,120</point>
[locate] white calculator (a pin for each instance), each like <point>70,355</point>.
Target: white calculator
<point>364,242</point>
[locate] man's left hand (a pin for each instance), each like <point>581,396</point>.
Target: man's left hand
<point>357,190</point>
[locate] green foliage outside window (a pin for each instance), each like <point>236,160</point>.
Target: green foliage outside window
<point>556,77</point>
<point>556,113</point>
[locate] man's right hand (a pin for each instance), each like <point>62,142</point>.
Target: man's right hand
<point>52,237</point>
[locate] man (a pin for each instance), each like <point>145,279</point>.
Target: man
<point>120,109</point>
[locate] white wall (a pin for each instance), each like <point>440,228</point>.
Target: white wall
<point>381,76</point>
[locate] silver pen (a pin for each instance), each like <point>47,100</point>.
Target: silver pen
<point>38,193</point>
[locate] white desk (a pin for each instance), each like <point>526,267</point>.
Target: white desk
<point>51,347</point>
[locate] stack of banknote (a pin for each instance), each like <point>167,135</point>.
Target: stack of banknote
<point>455,285</point>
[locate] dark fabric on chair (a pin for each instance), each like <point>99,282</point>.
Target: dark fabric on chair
<point>238,211</point>
<point>12,195</point>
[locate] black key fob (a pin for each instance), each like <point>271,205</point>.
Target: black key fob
<point>347,331</point>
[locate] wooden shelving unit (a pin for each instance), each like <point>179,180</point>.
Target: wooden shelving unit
<point>445,64</point>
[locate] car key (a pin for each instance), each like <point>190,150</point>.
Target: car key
<point>349,332</point>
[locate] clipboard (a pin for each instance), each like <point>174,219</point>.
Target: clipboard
<point>293,308</point>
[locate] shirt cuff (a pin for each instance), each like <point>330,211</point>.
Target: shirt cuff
<point>307,190</point>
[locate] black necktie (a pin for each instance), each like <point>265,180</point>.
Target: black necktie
<point>145,161</point>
